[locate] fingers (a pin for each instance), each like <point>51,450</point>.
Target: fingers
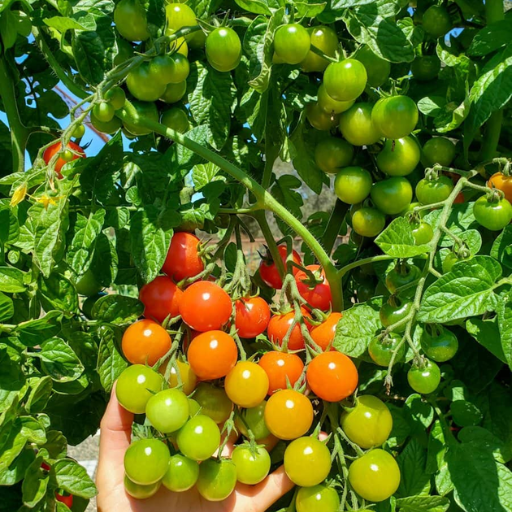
<point>275,486</point>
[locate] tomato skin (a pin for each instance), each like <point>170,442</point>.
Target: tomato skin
<point>393,195</point>
<point>368,222</point>
<point>278,328</point>
<point>381,351</point>
<point>375,476</point>
<point>174,92</point>
<point>67,500</point>
<point>323,334</point>
<point>346,80</point>
<point>353,184</point>
<point>144,109</point>
<point>247,384</point>
<point>188,377</point>
<point>139,492</point>
<point>503,183</point>
<point>269,272</point>
<point>130,20</point>
<point>179,16</point>
<point>280,366</point>
<point>331,154</point>
<point>199,438</point>
<point>399,157</point>
<point>395,117</point>
<point>307,461</point>
<point>318,498</point>
<point>377,69</point>
<point>393,311</point>
<point>110,128</point>
<point>253,419</point>
<point>332,376</point>
<point>436,21</point>
<point>104,111</point>
<point>135,386</point>
<point>493,216</point>
<point>289,414</point>
<point>357,127</point>
<point>116,97</point>
<point>449,261</point>
<point>320,119</point>
<point>161,298</point>
<point>176,119</point>
<point>57,148</point>
<point>168,410</point>
<point>402,275</point>
<point>205,306</point>
<point>369,423</point>
<point>426,68</point>
<point>223,49</point>
<point>214,402</point>
<point>182,474</point>
<point>212,355</point>
<point>183,259</point>
<point>325,39</point>
<point>292,43</point>
<point>251,468</point>
<point>331,106</point>
<point>434,191</point>
<point>422,233</point>
<point>440,345</point>
<point>142,85</point>
<point>217,479</point>
<point>319,295</point>
<point>252,316</point>
<point>87,285</point>
<point>146,461</point>
<point>439,150</point>
<point>144,342</point>
<point>425,378</point>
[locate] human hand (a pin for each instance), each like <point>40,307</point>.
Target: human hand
<point>116,428</point>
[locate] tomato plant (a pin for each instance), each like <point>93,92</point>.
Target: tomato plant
<point>269,271</point>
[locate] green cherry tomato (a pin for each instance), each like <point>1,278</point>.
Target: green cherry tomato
<point>217,479</point>
<point>143,109</point>
<point>88,285</point>
<point>176,119</point>
<point>438,343</point>
<point>422,233</point>
<point>434,191</point>
<point>395,117</point>
<point>251,466</point>
<point>377,69</point>
<point>199,438</point>
<point>146,461</point>
<point>449,261</point>
<point>168,410</point>
<point>161,69</point>
<point>399,157</point>
<point>79,131</point>
<point>425,377</point>
<point>368,222</point>
<point>346,80</point>
<point>292,43</point>
<point>394,310</point>
<point>319,118</point>
<point>369,423</point>
<point>140,492</point>
<point>318,498</point>
<point>111,127</point>
<point>182,474</point>
<point>402,275</point>
<point>253,419</point>
<point>325,102</point>
<point>436,21</point>
<point>66,155</point>
<point>223,49</point>
<point>492,215</point>
<point>357,127</point>
<point>174,92</point>
<point>381,350</point>
<point>181,69</point>
<point>180,15</point>
<point>393,195</point>
<point>375,476</point>
<point>439,150</point>
<point>307,461</point>
<point>426,68</point>
<point>136,385</point>
<point>142,84</point>
<point>353,184</point>
<point>214,402</point>
<point>331,154</point>
<point>104,112</point>
<point>116,97</point>
<point>130,20</point>
<point>194,407</point>
<point>325,39</point>
<point>124,51</point>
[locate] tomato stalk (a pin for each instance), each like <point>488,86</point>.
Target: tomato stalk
<point>333,226</point>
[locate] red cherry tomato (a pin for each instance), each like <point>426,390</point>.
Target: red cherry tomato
<point>67,500</point>
<point>279,326</point>
<point>205,306</point>
<point>161,298</point>
<point>280,366</point>
<point>251,317</point>
<point>144,342</point>
<point>318,295</point>
<point>332,376</point>
<point>269,272</point>
<point>183,259</point>
<point>56,148</point>
<point>323,334</point>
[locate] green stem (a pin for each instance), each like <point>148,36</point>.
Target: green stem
<point>333,227</point>
<point>271,243</point>
<point>19,133</point>
<point>364,261</point>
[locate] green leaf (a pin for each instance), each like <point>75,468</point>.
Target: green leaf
<point>9,225</point>
<point>460,218</point>
<point>12,442</point>
<point>63,24</point>
<point>255,6</point>
<point>414,480</point>
<point>202,174</point>
<point>401,428</point>
<point>496,407</point>
<point>56,444</point>
<point>487,333</point>
<point>40,393</point>
<point>431,105</point>
<point>59,361</point>
<point>419,413</point>
<point>504,312</point>
<point>470,237</point>
<point>110,362</point>
<point>35,483</point>
<point>502,247</point>
<point>465,413</point>
<point>8,29</point>
<point>105,262</point>
<point>491,38</point>
<point>32,430</point>
<point>16,471</point>
<point>11,280</point>
<point>436,448</point>
<point>73,478</point>
<point>57,292</point>
<point>478,436</point>
<point>35,332</point>
<point>12,380</point>
<point>309,9</point>
<point>397,240</point>
<point>423,504</point>
<point>117,309</point>
<point>358,326</point>
<point>6,307</point>
<point>465,291</point>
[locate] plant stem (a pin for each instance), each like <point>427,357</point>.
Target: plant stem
<point>364,261</point>
<point>271,243</point>
<point>333,227</point>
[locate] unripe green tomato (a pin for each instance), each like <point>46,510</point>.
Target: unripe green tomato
<point>307,461</point>
<point>439,150</point>
<point>353,185</point>
<point>402,275</point>
<point>110,127</point>
<point>395,117</point>
<point>318,498</point>
<point>422,233</point>
<point>88,284</point>
<point>449,261</point>
<point>182,474</point>
<point>103,111</point>
<point>174,92</point>
<point>217,479</point>
<point>436,21</point>
<point>346,80</point>
<point>176,119</point>
<point>146,461</point>
<point>292,43</point>
<point>399,157</point>
<point>136,385</point>
<point>434,191</point>
<point>79,131</point>
<point>393,311</point>
<point>332,154</point>
<point>368,222</point>
<point>325,102</point>
<point>143,109</point>
<point>67,155</point>
<point>161,69</point>
<point>440,345</point>
<point>214,402</point>
<point>426,68</point>
<point>253,419</point>
<point>140,492</point>
<point>320,119</point>
<point>180,15</point>
<point>377,68</point>
<point>424,378</point>
<point>357,127</point>
<point>325,39</point>
<point>251,467</point>
<point>168,410</point>
<point>393,195</point>
<point>181,69</point>
<point>116,97</point>
<point>130,20</point>
<point>223,49</point>
<point>492,215</point>
<point>381,350</point>
<point>142,84</point>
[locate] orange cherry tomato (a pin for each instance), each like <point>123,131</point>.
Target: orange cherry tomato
<point>503,183</point>
<point>317,295</point>
<point>161,298</point>
<point>187,376</point>
<point>183,259</point>
<point>50,152</point>
<point>323,334</point>
<point>246,384</point>
<point>332,376</point>
<point>279,366</point>
<point>144,342</point>
<point>269,272</point>
<point>278,328</point>
<point>251,317</point>
<point>212,355</point>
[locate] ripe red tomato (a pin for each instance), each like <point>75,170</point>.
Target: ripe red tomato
<point>280,366</point>
<point>161,298</point>
<point>332,376</point>
<point>279,326</point>
<point>144,342</point>
<point>183,259</point>
<point>50,152</point>
<point>323,334</point>
<point>205,306</point>
<point>317,295</point>
<point>67,500</point>
<point>251,316</point>
<point>212,355</point>
<point>268,269</point>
